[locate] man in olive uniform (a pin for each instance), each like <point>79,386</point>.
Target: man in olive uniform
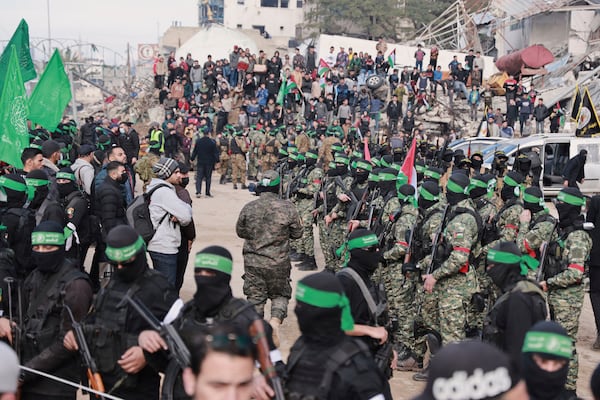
<point>453,280</point>
<point>564,281</point>
<point>55,284</point>
<point>112,327</point>
<point>224,156</point>
<point>256,137</point>
<point>144,166</point>
<point>302,140</point>
<point>267,225</point>
<point>239,148</point>
<point>269,151</point>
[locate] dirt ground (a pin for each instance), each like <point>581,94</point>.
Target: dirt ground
<point>215,220</point>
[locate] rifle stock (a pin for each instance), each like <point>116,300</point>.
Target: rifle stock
<point>257,332</point>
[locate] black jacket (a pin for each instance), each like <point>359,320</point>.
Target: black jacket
<point>574,170</point>
<point>130,142</point>
<point>205,150</point>
<point>393,110</point>
<point>593,215</point>
<point>110,205</point>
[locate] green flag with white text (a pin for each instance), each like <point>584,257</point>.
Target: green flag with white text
<point>20,39</point>
<point>51,95</point>
<point>14,134</point>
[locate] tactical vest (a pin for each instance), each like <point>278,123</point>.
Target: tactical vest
<point>422,243</point>
<point>445,248</point>
<point>224,145</point>
<point>44,315</point>
<point>270,147</point>
<point>555,264</point>
<point>310,373</point>
<point>21,243</point>
<point>235,148</point>
<point>491,232</point>
<point>492,333</point>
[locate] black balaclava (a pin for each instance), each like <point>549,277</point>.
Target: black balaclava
<point>13,191</point>
<point>568,205</point>
<point>427,194</point>
<point>41,192</point>
<point>363,260</point>
<point>65,189</point>
<point>406,195</point>
<point>319,324</point>
<point>548,339</point>
<point>511,180</point>
<point>476,161</point>
<point>387,180</point>
<point>124,246</point>
<point>48,233</point>
<point>457,188</point>
<point>311,158</point>
<point>478,191</point>
<point>387,160</point>
<point>212,291</point>
<point>533,199</point>
<point>433,174</point>
<point>363,168</point>
<point>504,274</point>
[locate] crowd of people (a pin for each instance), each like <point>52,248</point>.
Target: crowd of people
<point>418,269</point>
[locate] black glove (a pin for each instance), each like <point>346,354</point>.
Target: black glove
<point>409,267</point>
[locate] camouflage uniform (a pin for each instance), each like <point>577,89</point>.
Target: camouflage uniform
<point>327,190</point>
<point>456,281</point>
<point>532,234</point>
<point>239,148</point>
<point>144,168</point>
<point>507,223</point>
<point>256,138</point>
<point>305,207</point>
<point>267,224</point>
<point>325,153</point>
<point>401,287</point>
<point>565,291</point>
<point>224,156</point>
<point>269,150</point>
<point>302,142</point>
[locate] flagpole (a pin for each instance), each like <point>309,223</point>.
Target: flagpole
<point>49,34</point>
<point>73,104</point>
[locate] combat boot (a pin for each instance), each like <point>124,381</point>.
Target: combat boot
<point>411,363</point>
<point>244,186</point>
<point>423,375</point>
<point>596,345</point>
<point>275,324</point>
<point>295,257</point>
<point>222,180</point>
<point>309,264</point>
<point>235,186</point>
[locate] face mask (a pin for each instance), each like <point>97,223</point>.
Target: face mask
<point>211,292</point>
<point>543,385</point>
<point>41,193</point>
<point>455,198</point>
<point>65,189</point>
<point>132,270</point>
<point>425,204</point>
<point>122,178</point>
<point>48,262</point>
<point>476,163</point>
<point>534,208</point>
<point>122,130</point>
<point>567,214</point>
<point>367,260</point>
<point>318,324</point>
<point>361,177</point>
<point>507,193</point>
<point>185,181</point>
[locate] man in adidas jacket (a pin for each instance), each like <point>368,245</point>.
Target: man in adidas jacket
<point>168,213</point>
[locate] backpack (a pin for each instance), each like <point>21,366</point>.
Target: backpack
<point>138,214</point>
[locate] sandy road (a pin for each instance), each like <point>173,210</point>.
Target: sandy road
<point>215,220</point>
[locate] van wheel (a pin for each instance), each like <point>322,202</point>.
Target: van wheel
<point>374,82</point>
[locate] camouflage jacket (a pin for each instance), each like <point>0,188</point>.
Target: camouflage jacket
<point>402,228</point>
<point>532,234</point>
<point>144,167</point>
<point>313,182</point>
<point>575,251</point>
<point>267,224</point>
<point>509,221</point>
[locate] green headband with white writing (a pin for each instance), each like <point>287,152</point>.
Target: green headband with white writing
<point>125,253</point>
<point>525,262</point>
<point>323,299</point>
<point>65,175</point>
<point>570,199</point>
<point>548,343</point>
<point>47,238</point>
<point>456,188</point>
<point>214,262</point>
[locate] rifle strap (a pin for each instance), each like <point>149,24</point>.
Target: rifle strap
<point>363,288</point>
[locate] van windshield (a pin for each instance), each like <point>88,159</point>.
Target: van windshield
<point>488,152</point>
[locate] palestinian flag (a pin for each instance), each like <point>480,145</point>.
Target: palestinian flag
<point>287,86</point>
<point>323,68</point>
<point>392,58</point>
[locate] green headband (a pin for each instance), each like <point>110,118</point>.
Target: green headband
<point>420,168</point>
<point>387,177</point>
<point>270,182</point>
<point>361,242</point>
<point>337,148</point>
<point>411,198</point>
<point>525,262</point>
<point>510,181</point>
<point>424,193</point>
<point>323,299</point>
<point>47,238</point>
<point>308,154</point>
<point>292,150</point>
<point>36,182</point>
<point>214,262</point>
<point>13,185</point>
<point>529,198</point>
<point>357,154</point>
<point>374,177</point>
<point>65,175</point>
<point>478,183</point>
<point>293,156</point>
<point>282,151</point>
<point>125,253</point>
<point>456,188</point>
<point>570,199</point>
<point>376,161</point>
<point>397,167</point>
<point>548,343</point>
<point>384,163</point>
<point>365,166</point>
<point>342,160</point>
<point>401,179</point>
<point>432,174</point>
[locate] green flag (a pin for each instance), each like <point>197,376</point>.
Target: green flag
<point>14,135</point>
<point>20,39</point>
<point>282,92</point>
<point>51,95</point>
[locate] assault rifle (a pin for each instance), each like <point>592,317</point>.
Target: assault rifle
<point>539,276</point>
<point>372,197</point>
<point>257,332</point>
<point>93,374</point>
<point>387,227</point>
<point>294,183</point>
<point>15,327</point>
<point>176,345</point>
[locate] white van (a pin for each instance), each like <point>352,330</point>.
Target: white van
<point>555,150</point>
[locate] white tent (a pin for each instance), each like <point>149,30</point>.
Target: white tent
<point>217,41</point>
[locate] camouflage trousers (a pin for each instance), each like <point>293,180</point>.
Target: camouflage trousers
<point>267,162</point>
<point>401,298</point>
<point>238,169</point>
<point>488,293</point>
<point>306,244</point>
<point>454,300</point>
<point>565,307</point>
<point>252,165</point>
<point>224,164</point>
<point>331,241</point>
<point>427,319</point>
<point>272,283</point>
